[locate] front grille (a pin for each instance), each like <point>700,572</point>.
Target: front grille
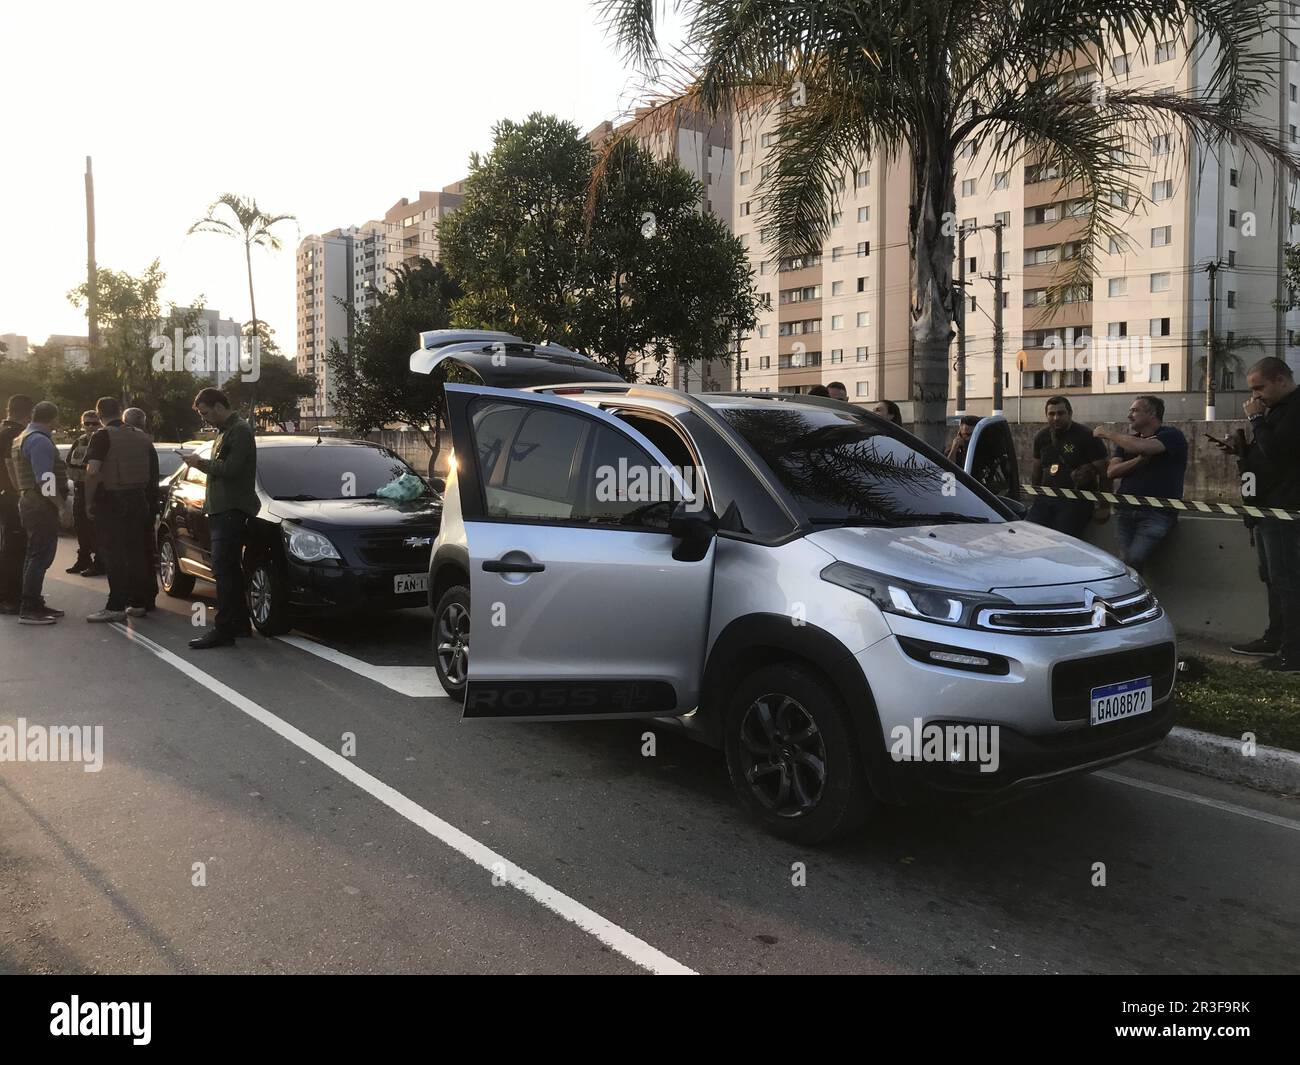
<point>1072,617</point>
<point>389,549</point>
<point>1073,681</point>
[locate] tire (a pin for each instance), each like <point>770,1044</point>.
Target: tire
<point>176,584</point>
<point>805,786</point>
<point>451,640</point>
<point>268,597</point>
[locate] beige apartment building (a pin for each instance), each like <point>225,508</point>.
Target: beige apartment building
<point>844,315</point>
<point>350,266</point>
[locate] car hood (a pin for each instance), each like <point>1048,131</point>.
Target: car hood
<point>971,557</point>
<point>422,513</point>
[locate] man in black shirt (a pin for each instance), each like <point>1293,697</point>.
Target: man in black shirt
<point>1067,455</point>
<point>1274,457</point>
<point>13,540</point>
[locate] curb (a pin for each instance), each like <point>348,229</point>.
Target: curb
<point>1269,769</point>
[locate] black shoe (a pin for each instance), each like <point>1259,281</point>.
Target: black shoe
<point>96,570</point>
<point>1261,648</point>
<point>9,608</point>
<point>1278,664</point>
<point>77,567</point>
<point>55,611</point>
<point>212,639</point>
<point>36,616</point>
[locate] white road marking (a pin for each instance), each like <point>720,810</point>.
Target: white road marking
<point>617,939</point>
<point>419,682</point>
<point>1175,793</point>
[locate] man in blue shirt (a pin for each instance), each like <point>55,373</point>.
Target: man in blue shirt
<point>1149,461</point>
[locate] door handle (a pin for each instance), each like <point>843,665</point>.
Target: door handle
<point>500,566</point>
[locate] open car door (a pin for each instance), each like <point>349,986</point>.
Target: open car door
<point>991,457</point>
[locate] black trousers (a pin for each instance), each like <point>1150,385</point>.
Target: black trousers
<point>87,550</point>
<point>228,532</point>
<point>121,519</point>
<point>13,550</point>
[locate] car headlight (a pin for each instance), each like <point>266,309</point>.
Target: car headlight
<point>306,545</point>
<point>947,606</point>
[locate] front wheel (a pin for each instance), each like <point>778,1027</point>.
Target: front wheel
<point>451,640</point>
<point>268,598</point>
<point>793,760</point>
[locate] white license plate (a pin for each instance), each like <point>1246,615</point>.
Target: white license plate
<point>1128,698</point>
<point>410,582</point>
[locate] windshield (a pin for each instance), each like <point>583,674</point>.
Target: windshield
<point>848,469</point>
<point>326,471</point>
<point>168,463</point>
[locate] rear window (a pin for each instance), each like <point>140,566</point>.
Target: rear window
<point>846,468</point>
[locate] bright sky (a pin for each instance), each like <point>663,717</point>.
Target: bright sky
<point>329,113</point>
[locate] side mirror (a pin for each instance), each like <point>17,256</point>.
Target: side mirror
<point>1015,506</point>
<point>694,528</point>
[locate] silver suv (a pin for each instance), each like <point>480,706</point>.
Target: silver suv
<point>850,617</point>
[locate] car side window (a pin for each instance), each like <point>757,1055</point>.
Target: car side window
<point>625,485</point>
<point>528,458</point>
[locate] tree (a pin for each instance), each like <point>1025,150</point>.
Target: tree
<point>134,330</point>
<point>642,274</point>
<point>915,80</point>
<point>251,224</point>
<point>373,382</point>
<point>274,396</point>
<point>1227,362</point>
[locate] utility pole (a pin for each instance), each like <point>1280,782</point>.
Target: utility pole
<point>961,322</point>
<point>1213,270</point>
<point>737,358</point>
<point>92,280</point>
<point>997,318</point>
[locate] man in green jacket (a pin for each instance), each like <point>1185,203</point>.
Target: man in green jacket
<point>230,501</point>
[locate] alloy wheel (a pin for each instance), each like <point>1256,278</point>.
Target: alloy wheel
<point>784,755</point>
<point>259,594</point>
<point>452,638</point>
<point>167,564</point>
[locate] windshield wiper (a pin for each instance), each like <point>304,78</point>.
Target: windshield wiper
<point>298,498</point>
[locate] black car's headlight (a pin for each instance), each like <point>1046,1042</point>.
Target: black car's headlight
<point>307,545</point>
<point>947,606</point>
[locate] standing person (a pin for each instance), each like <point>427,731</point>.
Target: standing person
<point>117,479</point>
<point>1067,455</point>
<point>13,540</point>
<point>1274,458</point>
<point>887,408</point>
<point>37,471</point>
<point>1149,461</point>
<point>837,390</point>
<point>135,418</point>
<point>960,442</point>
<point>88,563</point>
<point>230,500</point>
<point>820,390</point>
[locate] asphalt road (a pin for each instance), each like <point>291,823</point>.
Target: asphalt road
<point>438,846</point>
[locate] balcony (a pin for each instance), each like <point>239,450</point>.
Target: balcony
<point>1040,234</point>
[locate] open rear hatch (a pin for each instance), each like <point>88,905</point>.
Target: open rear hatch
<point>502,360</point>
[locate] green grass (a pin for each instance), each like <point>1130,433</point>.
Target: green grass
<point>1231,699</point>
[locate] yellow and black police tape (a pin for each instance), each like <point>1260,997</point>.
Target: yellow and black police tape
<point>1194,506</point>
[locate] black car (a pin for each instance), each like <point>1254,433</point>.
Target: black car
<point>323,543</point>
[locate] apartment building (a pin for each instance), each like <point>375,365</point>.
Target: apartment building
<point>1136,327</point>
<point>350,267</point>
<point>703,148</point>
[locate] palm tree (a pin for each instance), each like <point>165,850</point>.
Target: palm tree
<point>1226,360</point>
<point>251,224</point>
<point>915,80</point>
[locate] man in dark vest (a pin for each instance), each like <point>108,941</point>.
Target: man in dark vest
<point>136,418</point>
<point>117,480</point>
<point>230,501</point>
<point>35,468</point>
<point>13,541</point>
<point>88,563</point>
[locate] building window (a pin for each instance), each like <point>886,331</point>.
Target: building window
<point>1113,247</point>
<point>862,179</point>
<point>837,321</point>
<point>765,362</point>
<point>762,267</point>
<point>1160,327</point>
<point>744,365</point>
<point>862,284</point>
<point>764,331</point>
<point>1117,286</point>
<point>1119,65</point>
<point>864,248</point>
<point>974,305</point>
<point>1003,218</point>
<point>1232,174</point>
<point>1117,329</point>
<point>744,177</point>
<point>970,264</point>
<point>863,390</point>
<point>969,223</point>
<point>1293,134</point>
<point>1292,89</point>
<point>1164,51</point>
<point>1161,235</point>
<point>968,187</point>
<point>837,254</point>
<point>744,209</point>
<point>1232,219</point>
<point>966,150</point>
<point>837,218</point>
<point>837,288</point>
<point>1232,298</point>
<point>837,355</point>
<point>1002,180</point>
<point>861,354</point>
<point>1158,371</point>
<point>1232,259</point>
<point>1160,282</point>
<point>1115,375</point>
<point>1162,144</point>
<point>1162,190</point>
<point>864,319</point>
<point>767,140</point>
<point>744,146</point>
<point>864,214</point>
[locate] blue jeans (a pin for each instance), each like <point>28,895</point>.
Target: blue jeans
<point>228,529</point>
<point>1139,533</point>
<point>41,523</point>
<point>1281,540</point>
